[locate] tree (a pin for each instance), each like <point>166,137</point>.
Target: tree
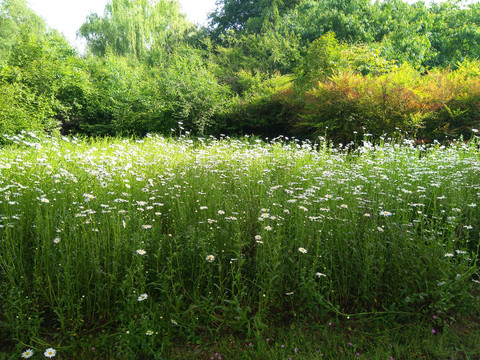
<point>247,15</point>
<point>15,15</point>
<point>133,27</point>
<point>455,33</point>
<point>350,20</point>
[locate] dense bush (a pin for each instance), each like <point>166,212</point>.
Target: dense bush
<point>268,107</point>
<point>132,97</point>
<point>441,103</point>
<point>190,91</point>
<point>22,110</point>
<point>43,83</point>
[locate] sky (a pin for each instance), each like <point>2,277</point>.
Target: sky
<point>68,15</point>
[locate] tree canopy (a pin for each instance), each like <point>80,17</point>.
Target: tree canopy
<point>15,17</point>
<point>133,27</point>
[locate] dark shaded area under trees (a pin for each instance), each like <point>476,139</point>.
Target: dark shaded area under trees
<point>269,67</point>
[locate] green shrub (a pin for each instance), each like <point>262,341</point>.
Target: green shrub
<point>132,97</point>
<point>268,107</point>
<point>191,93</point>
<point>453,98</point>
<point>20,110</point>
<point>350,102</point>
<point>439,104</point>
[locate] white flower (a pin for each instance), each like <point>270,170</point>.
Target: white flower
<point>221,212</point>
<point>203,207</point>
<point>50,352</point>
<point>27,353</point>
<point>149,332</point>
<point>56,240</point>
<point>385,213</point>
<point>268,228</point>
<point>210,258</point>
<point>44,200</point>
<point>319,274</point>
<point>88,197</point>
<point>142,297</point>
<point>449,255</point>
<point>141,252</point>
<point>146,226</point>
<point>302,250</point>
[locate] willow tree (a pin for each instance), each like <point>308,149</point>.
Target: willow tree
<point>15,17</point>
<point>133,27</point>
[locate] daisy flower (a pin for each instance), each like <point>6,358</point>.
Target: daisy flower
<point>87,197</point>
<point>27,353</point>
<point>141,252</point>
<point>210,258</point>
<point>149,332</point>
<point>142,297</point>
<point>56,240</point>
<point>50,352</point>
<point>302,250</point>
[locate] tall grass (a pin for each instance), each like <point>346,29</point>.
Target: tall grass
<point>126,246</point>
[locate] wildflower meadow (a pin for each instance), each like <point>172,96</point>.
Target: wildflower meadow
<point>136,248</point>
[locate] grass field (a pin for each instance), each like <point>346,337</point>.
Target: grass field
<point>238,249</point>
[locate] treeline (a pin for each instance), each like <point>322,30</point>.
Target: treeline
<point>267,67</point>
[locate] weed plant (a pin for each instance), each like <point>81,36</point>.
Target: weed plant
<point>126,247</point>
